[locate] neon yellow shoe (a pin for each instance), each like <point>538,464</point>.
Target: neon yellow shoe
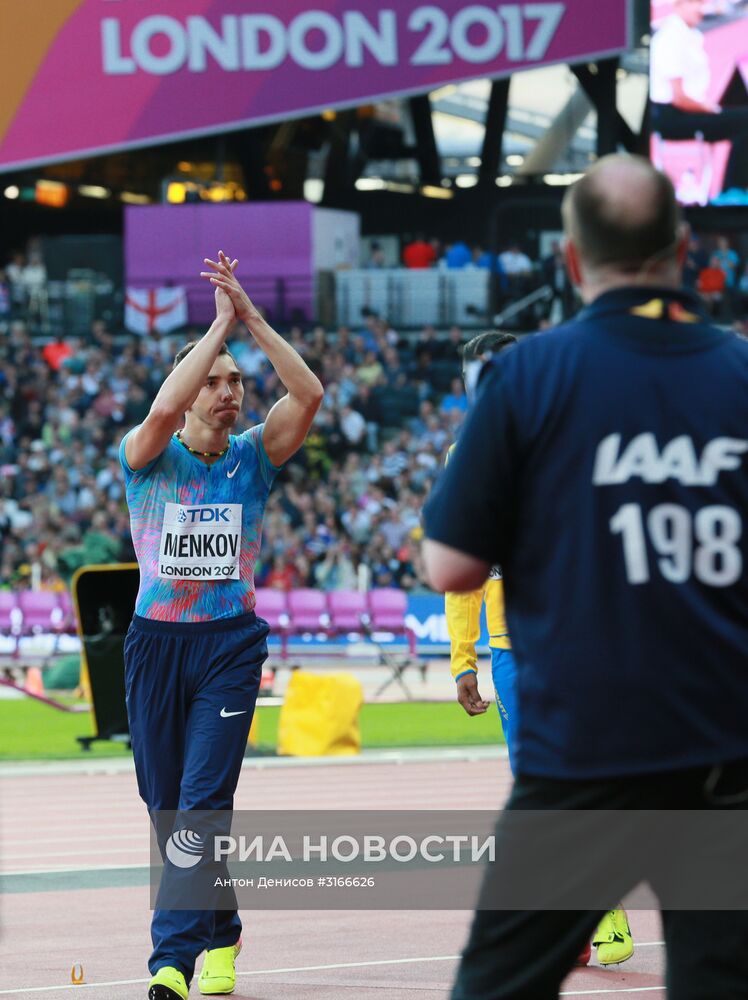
<point>218,974</point>
<point>168,984</point>
<point>613,938</point>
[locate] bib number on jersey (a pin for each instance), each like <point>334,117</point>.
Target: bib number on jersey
<point>704,545</point>
<point>200,542</point>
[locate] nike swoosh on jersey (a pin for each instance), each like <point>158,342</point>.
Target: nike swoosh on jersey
<point>230,475</point>
<point>226,715</point>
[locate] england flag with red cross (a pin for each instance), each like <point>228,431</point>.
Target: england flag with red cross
<point>155,309</point>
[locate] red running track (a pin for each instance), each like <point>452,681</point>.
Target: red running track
<point>71,823</point>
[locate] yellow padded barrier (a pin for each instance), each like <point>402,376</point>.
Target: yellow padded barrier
<point>320,715</point>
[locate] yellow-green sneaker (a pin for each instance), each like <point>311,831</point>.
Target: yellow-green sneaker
<point>613,938</point>
<point>218,974</point>
<point>168,984</point>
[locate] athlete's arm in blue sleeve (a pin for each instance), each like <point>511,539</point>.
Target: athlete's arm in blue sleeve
<point>469,515</point>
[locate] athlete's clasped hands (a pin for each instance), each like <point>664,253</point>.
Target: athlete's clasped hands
<point>229,291</point>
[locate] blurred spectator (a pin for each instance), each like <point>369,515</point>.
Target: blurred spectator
<point>367,338</point>
<point>336,571</point>
<point>5,301</point>
<point>57,351</point>
<point>392,369</point>
<point>283,575</point>
<point>455,399</point>
<point>34,280</point>
<point>696,261</point>
<point>555,276</point>
<point>711,286</point>
<point>428,343</point>
<point>743,289</point>
<point>515,262</point>
<point>419,254</point>
<point>14,274</point>
<point>457,255</point>
<point>297,340</point>
<point>344,345</point>
<point>452,346</point>
<point>98,545</point>
<point>394,461</point>
<point>368,406</point>
<point>727,259</point>
<point>483,259</point>
<point>251,360</point>
<point>370,371</point>
<point>353,426</point>
<point>376,257</point>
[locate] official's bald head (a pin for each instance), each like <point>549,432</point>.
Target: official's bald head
<point>623,215</point>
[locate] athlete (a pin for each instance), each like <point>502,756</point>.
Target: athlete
<point>613,938</point>
<point>463,610</point>
<point>195,648</point>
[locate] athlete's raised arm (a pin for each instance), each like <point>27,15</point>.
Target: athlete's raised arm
<point>180,388</point>
<point>290,418</point>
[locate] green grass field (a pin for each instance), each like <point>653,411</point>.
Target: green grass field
<point>30,730</point>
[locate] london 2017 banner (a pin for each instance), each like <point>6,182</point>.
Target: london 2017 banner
<point>80,77</point>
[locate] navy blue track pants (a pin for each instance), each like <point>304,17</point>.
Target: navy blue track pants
<point>191,690</point>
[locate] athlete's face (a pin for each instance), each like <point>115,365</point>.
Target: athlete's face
<point>218,403</point>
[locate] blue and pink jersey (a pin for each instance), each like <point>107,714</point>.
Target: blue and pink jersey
<point>197,529</point>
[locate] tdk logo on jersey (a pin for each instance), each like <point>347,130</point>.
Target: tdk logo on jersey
<point>677,460</point>
<point>203,515</point>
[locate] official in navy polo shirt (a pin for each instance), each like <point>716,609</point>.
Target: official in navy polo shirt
<point>604,466</point>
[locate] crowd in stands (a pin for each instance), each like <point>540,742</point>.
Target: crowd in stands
<point>713,268</point>
<point>516,273</point>
<point>419,253</point>
<point>346,509</point>
<point>23,286</point>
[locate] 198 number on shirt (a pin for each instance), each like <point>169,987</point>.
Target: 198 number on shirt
<point>704,544</point>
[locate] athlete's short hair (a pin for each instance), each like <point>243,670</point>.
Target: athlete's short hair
<point>490,340</point>
<point>625,229</point>
<point>184,351</point>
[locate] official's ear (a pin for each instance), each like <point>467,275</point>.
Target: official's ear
<point>571,259</point>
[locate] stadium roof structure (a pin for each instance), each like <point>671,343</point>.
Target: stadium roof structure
<point>232,99</point>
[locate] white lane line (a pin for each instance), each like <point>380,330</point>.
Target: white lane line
<point>67,869</point>
<point>327,968</point>
<point>51,840</point>
<point>254,972</point>
<point>87,853</point>
<point>599,992</point>
<point>125,765</point>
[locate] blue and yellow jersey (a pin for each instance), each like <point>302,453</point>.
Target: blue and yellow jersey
<point>463,612</point>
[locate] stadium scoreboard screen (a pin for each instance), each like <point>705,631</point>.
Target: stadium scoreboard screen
<point>699,98</point>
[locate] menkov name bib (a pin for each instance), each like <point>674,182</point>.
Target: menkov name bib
<point>201,542</point>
